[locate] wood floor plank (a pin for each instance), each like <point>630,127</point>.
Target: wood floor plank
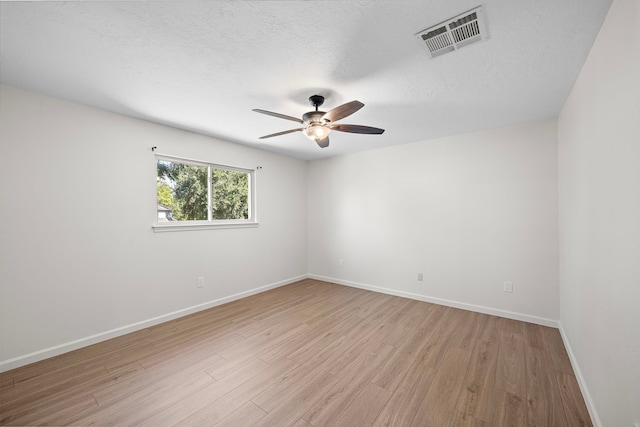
<point>285,387</point>
<point>83,359</point>
<point>373,324</point>
<point>14,403</point>
<point>290,412</point>
<point>351,383</point>
<point>302,423</point>
<point>234,399</point>
<point>325,357</point>
<point>197,329</point>
<point>246,415</point>
<point>476,396</point>
<point>314,346</point>
<point>318,342</point>
<point>230,367</point>
<point>6,381</point>
<point>466,334</point>
<point>575,409</point>
<point>287,313</point>
<point>209,335</point>
<point>374,306</point>
<point>438,406</point>
<point>58,413</point>
<point>130,357</point>
<point>558,352</point>
<point>403,404</point>
<point>255,344</point>
<point>167,364</point>
<point>434,315</point>
<point>142,405</point>
<point>534,336</point>
<point>463,419</point>
<point>386,312</point>
<point>406,321</point>
<point>510,325</point>
<point>114,391</point>
<point>444,326</point>
<point>307,354</point>
<point>510,375</point>
<point>370,343</point>
<point>544,402</point>
<point>335,308</point>
<point>509,410</point>
<point>181,410</point>
<point>364,409</point>
<point>77,393</point>
<point>392,373</point>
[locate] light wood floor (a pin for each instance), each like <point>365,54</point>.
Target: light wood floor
<point>308,354</point>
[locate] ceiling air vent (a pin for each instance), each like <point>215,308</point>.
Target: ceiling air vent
<point>454,33</point>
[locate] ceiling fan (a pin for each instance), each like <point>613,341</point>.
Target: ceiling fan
<point>317,124</point>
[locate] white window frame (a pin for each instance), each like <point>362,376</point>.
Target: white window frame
<point>209,223</point>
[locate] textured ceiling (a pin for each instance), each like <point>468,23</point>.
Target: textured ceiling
<point>203,65</point>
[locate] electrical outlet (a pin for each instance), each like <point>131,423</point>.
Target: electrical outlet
<point>340,262</point>
<point>200,282</point>
<point>508,286</point>
<point>420,277</point>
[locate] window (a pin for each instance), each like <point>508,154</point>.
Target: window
<point>195,195</point>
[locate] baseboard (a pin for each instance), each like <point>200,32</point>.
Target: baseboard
<point>595,419</point>
<point>456,304</point>
<point>36,356</point>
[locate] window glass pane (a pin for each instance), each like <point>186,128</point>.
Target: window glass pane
<point>230,194</point>
<point>182,191</point>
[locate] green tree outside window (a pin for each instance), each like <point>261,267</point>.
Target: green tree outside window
<point>184,188</point>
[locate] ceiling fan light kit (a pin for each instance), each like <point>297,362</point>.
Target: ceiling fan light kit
<point>317,125</point>
<point>316,132</point>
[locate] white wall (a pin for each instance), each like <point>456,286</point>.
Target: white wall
<point>78,256</point>
<point>599,185</point>
<point>468,211</point>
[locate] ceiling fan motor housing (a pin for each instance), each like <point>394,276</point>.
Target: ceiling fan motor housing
<point>313,117</point>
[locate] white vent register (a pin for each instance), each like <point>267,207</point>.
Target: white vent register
<point>452,34</point>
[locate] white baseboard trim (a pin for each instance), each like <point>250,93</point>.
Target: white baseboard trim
<point>46,353</point>
<point>595,419</point>
<point>449,303</point>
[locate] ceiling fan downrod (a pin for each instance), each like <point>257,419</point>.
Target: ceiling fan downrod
<point>316,100</point>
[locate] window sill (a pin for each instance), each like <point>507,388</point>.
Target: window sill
<point>165,227</point>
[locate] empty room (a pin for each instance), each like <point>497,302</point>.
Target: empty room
<point>320,213</point>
